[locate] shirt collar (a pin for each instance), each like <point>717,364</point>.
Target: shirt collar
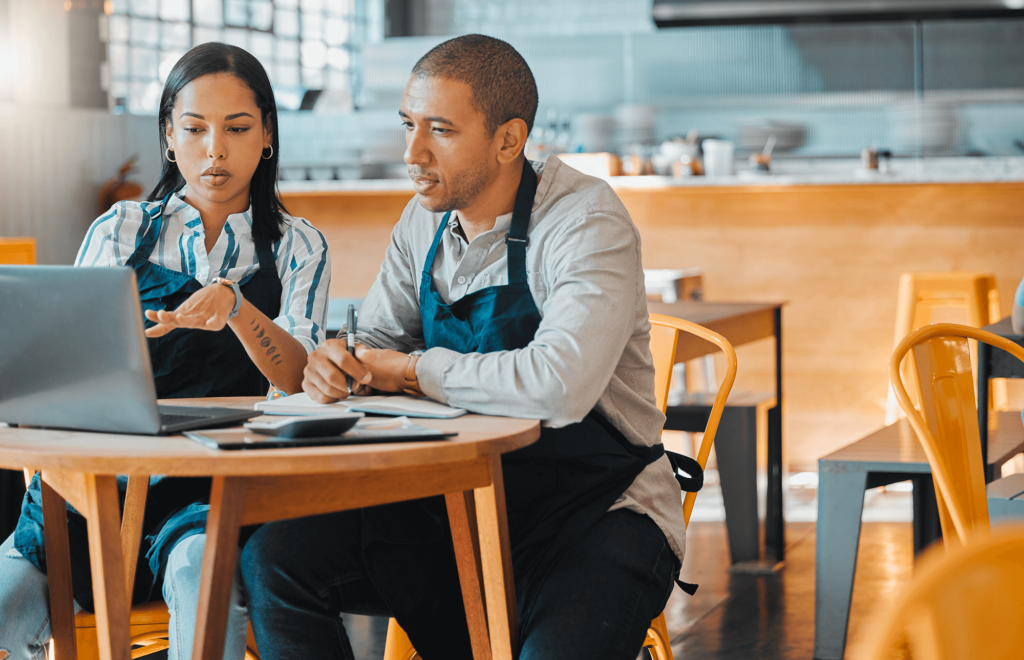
<point>189,216</point>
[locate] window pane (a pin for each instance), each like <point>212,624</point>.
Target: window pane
<point>261,15</point>
<point>168,59</point>
<point>286,23</point>
<point>261,45</point>
<point>119,88</point>
<point>236,12</point>
<point>335,31</point>
<point>118,29</point>
<point>286,75</point>
<point>118,55</point>
<point>203,35</point>
<point>176,36</point>
<point>312,78</point>
<point>237,37</point>
<point>145,63</point>
<point>338,58</point>
<point>174,10</point>
<point>147,8</point>
<point>286,4</point>
<point>342,7</point>
<point>208,13</point>
<point>314,54</point>
<point>144,98</point>
<point>312,26</point>
<point>287,50</point>
<point>312,5</point>
<point>121,6</point>
<point>145,32</point>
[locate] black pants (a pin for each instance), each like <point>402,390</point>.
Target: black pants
<point>596,602</point>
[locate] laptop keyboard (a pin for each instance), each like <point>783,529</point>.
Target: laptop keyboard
<point>168,419</point>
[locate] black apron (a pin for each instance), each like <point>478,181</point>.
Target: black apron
<point>555,489</point>
<point>185,363</point>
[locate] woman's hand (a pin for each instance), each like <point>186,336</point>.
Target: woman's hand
<point>206,309</point>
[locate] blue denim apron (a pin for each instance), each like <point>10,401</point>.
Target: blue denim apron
<point>185,363</point>
<point>555,489</point>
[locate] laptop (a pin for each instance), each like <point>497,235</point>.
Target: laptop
<point>73,355</point>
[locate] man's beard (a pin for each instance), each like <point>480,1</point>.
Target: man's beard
<point>463,191</point>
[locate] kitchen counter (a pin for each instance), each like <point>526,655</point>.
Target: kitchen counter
<point>815,233</point>
<point>784,173</point>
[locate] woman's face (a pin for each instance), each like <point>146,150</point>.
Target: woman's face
<point>218,137</point>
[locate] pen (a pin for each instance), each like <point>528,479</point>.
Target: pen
<point>350,339</point>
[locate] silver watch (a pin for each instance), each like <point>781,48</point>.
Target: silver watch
<point>233,285</point>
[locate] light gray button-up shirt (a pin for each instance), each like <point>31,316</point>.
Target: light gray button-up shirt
<point>592,348</point>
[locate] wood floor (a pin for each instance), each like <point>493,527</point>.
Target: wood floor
<point>744,617</point>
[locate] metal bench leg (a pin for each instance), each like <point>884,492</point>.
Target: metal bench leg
<point>736,448</point>
<point>840,504</point>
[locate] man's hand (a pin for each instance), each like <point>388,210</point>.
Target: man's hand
<point>324,378</point>
<point>206,309</point>
<point>371,368</point>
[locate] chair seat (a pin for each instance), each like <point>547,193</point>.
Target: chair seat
<point>142,615</point>
<point>692,411</point>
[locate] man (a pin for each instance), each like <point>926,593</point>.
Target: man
<point>509,288</point>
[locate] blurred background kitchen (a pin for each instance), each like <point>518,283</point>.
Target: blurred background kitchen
<point>851,147</point>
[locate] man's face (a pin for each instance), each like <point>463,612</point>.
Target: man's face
<point>451,157</point>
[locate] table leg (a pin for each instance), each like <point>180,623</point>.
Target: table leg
<point>227,501</point>
<point>496,559</point>
<point>840,504</point>
<point>103,513</point>
<point>58,574</point>
<point>927,526</point>
<point>131,527</point>
<point>774,530</point>
<point>465,535</point>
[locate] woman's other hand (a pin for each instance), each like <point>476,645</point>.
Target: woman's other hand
<point>206,309</point>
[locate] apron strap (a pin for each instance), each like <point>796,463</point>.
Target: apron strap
<point>149,232</point>
<point>428,263</point>
<point>265,255</point>
<point>516,239</point>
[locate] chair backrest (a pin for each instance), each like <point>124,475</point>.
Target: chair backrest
<point>963,603</point>
<point>922,294</point>
<point>947,422</point>
<point>17,251</point>
<point>664,340</point>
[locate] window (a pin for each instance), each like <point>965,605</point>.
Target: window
<point>303,44</point>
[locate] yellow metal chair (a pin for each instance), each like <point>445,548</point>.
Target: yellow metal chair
<point>922,295</point>
<point>947,421</point>
<point>18,251</point>
<point>967,602</point>
<point>665,332</point>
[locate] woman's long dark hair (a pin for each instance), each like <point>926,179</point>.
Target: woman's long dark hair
<point>208,58</point>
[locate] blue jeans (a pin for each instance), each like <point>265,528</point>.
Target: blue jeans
<point>25,604</point>
<point>596,602</point>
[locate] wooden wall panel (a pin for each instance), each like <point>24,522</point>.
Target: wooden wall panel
<point>834,253</point>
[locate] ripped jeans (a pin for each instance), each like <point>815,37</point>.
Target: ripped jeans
<point>25,604</point>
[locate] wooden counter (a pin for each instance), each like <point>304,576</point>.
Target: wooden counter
<point>835,252</point>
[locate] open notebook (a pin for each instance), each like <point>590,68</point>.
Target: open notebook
<point>397,404</point>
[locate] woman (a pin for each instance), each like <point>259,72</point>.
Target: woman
<point>235,296</point>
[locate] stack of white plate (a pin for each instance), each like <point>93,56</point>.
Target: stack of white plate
<point>634,124</point>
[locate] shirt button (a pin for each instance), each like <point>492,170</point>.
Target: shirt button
<point>462,280</point>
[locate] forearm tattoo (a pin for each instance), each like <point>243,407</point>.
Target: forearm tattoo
<point>266,343</point>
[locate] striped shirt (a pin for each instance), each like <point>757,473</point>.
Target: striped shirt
<point>303,262</point>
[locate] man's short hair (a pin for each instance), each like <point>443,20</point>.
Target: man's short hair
<point>502,83</point>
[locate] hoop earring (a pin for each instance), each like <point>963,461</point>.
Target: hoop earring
<point>167,155</point>
<point>271,147</point>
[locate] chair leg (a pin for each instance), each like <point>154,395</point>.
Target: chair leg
<point>657,641</point>
<point>840,505</point>
<point>397,645</point>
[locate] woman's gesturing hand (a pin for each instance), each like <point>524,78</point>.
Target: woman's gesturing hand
<point>206,309</point>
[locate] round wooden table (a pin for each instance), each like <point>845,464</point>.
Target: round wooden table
<point>258,486</point>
